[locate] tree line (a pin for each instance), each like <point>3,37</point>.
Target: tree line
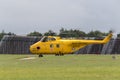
<point>70,33</point>
<point>4,33</point>
<point>62,33</point>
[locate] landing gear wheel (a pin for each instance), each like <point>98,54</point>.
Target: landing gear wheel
<point>56,54</point>
<point>61,54</point>
<point>40,55</point>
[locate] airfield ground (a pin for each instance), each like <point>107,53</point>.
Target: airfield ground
<point>68,67</point>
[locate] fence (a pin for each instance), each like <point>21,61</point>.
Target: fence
<point>16,44</point>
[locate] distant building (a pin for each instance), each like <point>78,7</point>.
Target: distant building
<point>12,44</point>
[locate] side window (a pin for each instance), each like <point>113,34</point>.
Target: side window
<point>53,39</point>
<point>58,45</point>
<point>51,45</point>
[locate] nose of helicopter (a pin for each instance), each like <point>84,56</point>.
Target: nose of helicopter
<point>34,49</point>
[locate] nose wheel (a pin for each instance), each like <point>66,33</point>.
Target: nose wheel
<point>40,55</point>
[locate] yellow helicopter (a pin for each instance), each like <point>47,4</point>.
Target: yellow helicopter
<point>58,46</point>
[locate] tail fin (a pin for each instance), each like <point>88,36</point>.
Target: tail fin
<point>107,39</point>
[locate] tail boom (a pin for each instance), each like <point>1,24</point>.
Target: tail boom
<point>104,41</point>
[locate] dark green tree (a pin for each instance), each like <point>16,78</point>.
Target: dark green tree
<point>10,33</point>
<point>71,33</point>
<point>50,33</point>
<point>96,33</point>
<point>118,35</point>
<point>4,33</point>
<point>35,33</point>
<point>62,30</point>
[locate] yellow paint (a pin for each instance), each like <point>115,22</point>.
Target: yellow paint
<point>56,45</point>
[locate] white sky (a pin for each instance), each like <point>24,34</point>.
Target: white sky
<point>25,16</point>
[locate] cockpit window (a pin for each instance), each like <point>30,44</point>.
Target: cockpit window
<point>46,39</point>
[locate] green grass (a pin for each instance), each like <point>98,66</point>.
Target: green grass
<point>68,67</point>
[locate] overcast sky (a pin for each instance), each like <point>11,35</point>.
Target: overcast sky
<point>25,16</point>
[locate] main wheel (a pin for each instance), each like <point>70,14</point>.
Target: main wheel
<point>61,54</point>
<point>56,54</point>
<point>40,55</point>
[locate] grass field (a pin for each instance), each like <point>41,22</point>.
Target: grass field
<point>68,67</point>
